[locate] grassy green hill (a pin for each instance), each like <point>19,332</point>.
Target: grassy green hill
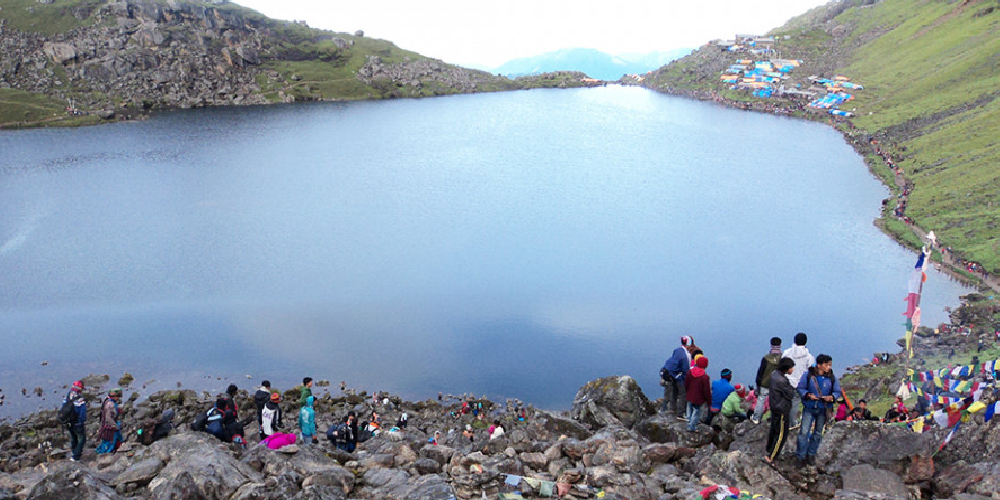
<point>931,72</point>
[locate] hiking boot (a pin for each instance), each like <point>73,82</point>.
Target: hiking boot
<point>811,460</point>
<point>755,420</point>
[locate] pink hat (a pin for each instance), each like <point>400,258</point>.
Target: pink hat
<point>741,391</point>
<point>701,362</point>
<point>78,385</point>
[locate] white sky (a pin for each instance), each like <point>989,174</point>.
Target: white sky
<point>487,34</point>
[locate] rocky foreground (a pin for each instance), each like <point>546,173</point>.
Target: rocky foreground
<point>611,444</point>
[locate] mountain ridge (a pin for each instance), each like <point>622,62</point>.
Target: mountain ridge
<point>593,62</point>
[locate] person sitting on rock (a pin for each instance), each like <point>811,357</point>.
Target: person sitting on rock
<point>721,389</point>
<point>731,407</point>
<point>164,425</point>
<point>861,412</point>
<point>497,431</point>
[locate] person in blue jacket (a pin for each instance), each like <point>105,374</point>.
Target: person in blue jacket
<point>307,421</point>
<point>817,388</point>
<point>672,378</point>
<point>721,389</point>
<point>77,424</point>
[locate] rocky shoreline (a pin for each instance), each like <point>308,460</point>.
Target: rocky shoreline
<point>611,444</point>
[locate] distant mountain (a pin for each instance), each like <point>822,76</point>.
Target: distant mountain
<point>593,62</point>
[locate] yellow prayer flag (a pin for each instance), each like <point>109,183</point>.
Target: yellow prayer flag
<point>977,406</point>
<point>918,426</point>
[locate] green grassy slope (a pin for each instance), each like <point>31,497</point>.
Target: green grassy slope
<point>931,71</point>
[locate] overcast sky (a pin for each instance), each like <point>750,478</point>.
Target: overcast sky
<point>487,34</point>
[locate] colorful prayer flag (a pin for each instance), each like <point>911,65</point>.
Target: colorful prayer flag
<point>990,410</point>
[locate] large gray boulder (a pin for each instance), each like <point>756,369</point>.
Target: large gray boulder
<point>867,479</point>
<point>610,401</point>
<point>201,461</point>
<point>847,444</point>
<point>745,471</point>
<point>67,482</point>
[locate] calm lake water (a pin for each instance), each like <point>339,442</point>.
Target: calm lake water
<point>513,244</point>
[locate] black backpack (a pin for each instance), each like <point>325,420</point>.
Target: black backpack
<point>146,431</point>
<point>336,433</point>
<point>67,412</point>
<point>199,421</point>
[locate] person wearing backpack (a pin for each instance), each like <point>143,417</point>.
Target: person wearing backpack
<point>672,378</point>
<point>768,363</point>
<point>110,431</point>
<point>307,421</point>
<point>340,435</point>
<point>215,424</point>
<point>73,414</point>
<point>817,389</point>
<point>270,416</point>
<point>261,397</point>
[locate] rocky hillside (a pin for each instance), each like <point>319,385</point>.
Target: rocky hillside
<point>611,445</point>
<point>108,57</point>
<point>930,74</point>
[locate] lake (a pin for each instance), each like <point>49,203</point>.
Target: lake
<point>512,244</point>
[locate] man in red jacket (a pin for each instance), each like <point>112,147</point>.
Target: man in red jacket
<point>698,389</point>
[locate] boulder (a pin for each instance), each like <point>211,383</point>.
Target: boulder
<point>67,482</point>
<point>426,466</point>
<point>201,466</point>
<point>611,400</point>
<point>867,479</point>
<point>745,471</point>
<point>141,473</point>
<point>60,53</point>
<point>847,444</point>
<point>439,453</point>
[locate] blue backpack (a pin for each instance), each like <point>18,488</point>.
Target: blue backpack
<point>214,424</point>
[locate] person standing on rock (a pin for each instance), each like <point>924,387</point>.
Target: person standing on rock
<point>698,391</point>
<point>768,364</point>
<point>307,384</point>
<point>260,399</point>
<point>798,353</point>
<point>816,388</point>
<point>270,416</point>
<point>672,378</point>
<point>110,430</point>
<point>782,395</point>
<point>76,420</point>
<point>307,421</point>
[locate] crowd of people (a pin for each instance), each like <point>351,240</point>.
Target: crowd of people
<point>793,388</point>
<point>230,424</point>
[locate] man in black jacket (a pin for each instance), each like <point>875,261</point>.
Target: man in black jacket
<point>782,397</point>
